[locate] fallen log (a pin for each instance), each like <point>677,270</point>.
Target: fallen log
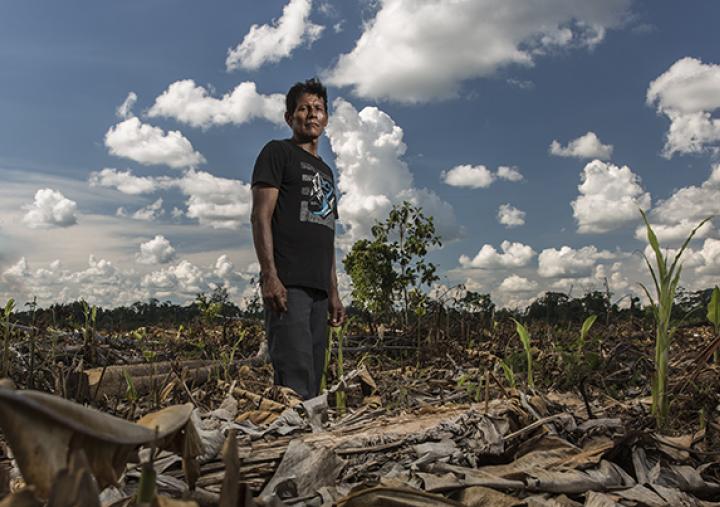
<point>145,378</point>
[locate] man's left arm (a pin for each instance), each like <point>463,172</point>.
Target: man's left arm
<point>335,307</point>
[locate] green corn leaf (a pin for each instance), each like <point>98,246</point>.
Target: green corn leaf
<point>654,277</point>
<point>509,374</point>
<point>525,339</point>
<point>713,311</point>
<point>130,392</point>
<point>523,334</point>
<point>586,326</point>
<point>9,307</point>
<point>655,245</point>
<point>584,330</point>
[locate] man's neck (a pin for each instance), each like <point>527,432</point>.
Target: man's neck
<point>309,145</point>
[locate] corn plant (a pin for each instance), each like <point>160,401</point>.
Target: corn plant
<point>90,316</point>
<point>7,313</point>
<point>713,315</point>
<point>473,389</point>
<point>131,393</point>
<point>340,395</point>
<point>335,333</point>
<point>508,372</point>
<point>576,361</point>
<point>228,358</point>
<point>584,330</point>
<point>326,366</point>
<point>525,339</point>
<point>665,279</point>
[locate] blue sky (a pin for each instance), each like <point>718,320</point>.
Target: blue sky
<point>532,132</point>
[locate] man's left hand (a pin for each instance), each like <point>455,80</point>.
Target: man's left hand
<point>336,310</point>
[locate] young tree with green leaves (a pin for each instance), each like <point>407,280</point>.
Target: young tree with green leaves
<point>393,266</point>
<point>370,266</point>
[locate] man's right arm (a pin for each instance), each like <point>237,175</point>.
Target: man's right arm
<point>273,291</point>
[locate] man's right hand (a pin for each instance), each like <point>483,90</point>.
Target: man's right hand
<point>274,294</point>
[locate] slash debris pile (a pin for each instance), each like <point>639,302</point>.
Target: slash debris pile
<point>168,431</point>
<point>523,449</point>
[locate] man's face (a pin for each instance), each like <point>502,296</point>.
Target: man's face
<point>309,119</point>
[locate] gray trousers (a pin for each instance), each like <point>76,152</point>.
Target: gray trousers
<point>297,340</point>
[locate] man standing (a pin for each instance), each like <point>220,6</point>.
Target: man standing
<point>293,223</point>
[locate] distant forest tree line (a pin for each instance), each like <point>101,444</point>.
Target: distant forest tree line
<point>551,308</point>
<point>391,277</point>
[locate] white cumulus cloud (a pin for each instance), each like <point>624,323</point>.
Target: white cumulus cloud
<point>150,145</point>
<point>418,51</point>
<point>688,93</point>
<point>710,254</point>
<point>468,176</point>
<point>150,212</point>
<point>17,272</point>
<point>514,255</point>
<point>50,209</point>
<point>478,176</point>
<point>568,262</point>
<point>185,278</point>
<point>221,203</point>
<point>272,43</point>
<point>515,283</point>
<point>609,198</point>
<point>124,181</point>
<point>156,251</point>
<point>192,104</point>
<point>510,216</point>
<point>509,173</point>
<point>675,217</point>
<point>124,110</point>
<point>373,175</point>
<point>692,203</point>
<point>677,232</point>
<point>586,146</point>
<point>103,283</point>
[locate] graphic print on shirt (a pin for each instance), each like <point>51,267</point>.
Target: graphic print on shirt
<point>319,207</point>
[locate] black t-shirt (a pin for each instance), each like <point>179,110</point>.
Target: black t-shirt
<point>303,224</point>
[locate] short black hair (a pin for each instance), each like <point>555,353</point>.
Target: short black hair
<point>312,86</point>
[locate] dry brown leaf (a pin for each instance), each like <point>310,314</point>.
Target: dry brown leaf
<point>108,441</point>
<point>303,470</point>
<point>75,485</point>
<point>595,499</point>
<point>234,493</point>
<point>374,401</point>
<point>24,498</point>
<point>231,479</point>
<point>394,497</point>
<point>285,396</point>
<point>258,417</point>
<point>259,402</point>
<point>678,448</point>
<point>477,496</point>
<point>163,501</point>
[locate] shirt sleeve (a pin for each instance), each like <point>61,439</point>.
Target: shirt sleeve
<point>270,165</point>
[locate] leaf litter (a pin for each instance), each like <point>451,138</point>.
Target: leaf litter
<point>454,431</point>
